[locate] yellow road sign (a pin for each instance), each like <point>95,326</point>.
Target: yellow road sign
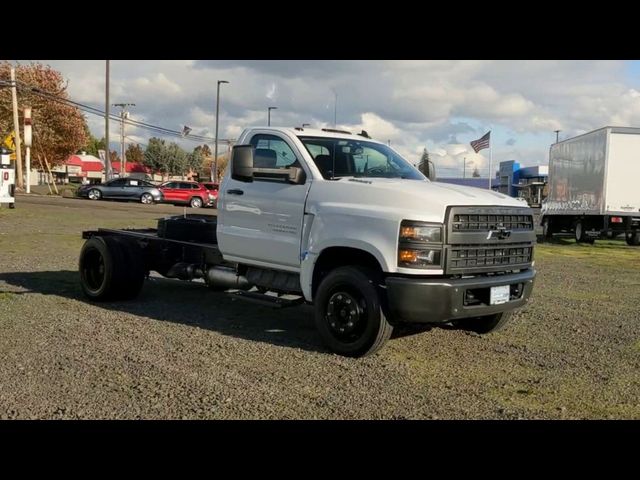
<point>10,142</point>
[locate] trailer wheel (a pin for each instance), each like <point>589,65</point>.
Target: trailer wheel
<point>348,312</point>
<point>483,325</point>
<point>581,235</point>
<point>632,238</point>
<point>102,269</point>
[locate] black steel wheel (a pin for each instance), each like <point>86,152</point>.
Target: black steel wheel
<point>349,316</point>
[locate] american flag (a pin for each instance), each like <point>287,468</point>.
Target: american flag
<point>482,142</point>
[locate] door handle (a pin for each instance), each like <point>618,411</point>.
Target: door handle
<point>235,191</point>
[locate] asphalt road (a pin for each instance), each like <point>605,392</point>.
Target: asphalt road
<point>181,351</point>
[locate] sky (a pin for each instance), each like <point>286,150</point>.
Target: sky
<point>440,105</point>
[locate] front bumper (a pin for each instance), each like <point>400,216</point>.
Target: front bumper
<point>438,300</point>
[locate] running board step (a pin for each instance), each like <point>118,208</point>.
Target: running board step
<point>266,300</point>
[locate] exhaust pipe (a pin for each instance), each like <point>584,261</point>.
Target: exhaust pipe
<point>227,278</point>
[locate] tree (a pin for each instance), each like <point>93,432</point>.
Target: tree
<point>476,173</point>
<point>93,145</point>
<point>59,129</point>
<point>423,165</point>
<point>156,156</point>
<point>134,153</point>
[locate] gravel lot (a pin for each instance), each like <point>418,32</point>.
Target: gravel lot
<point>180,351</point>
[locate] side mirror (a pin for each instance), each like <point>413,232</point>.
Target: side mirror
<point>296,175</point>
<point>242,163</point>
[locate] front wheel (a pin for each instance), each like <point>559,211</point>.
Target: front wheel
<point>632,238</point>
<point>348,312</point>
<point>146,198</point>
<point>95,194</point>
<point>196,202</point>
<point>487,324</point>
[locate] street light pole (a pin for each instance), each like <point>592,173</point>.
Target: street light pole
<point>107,158</point>
<point>214,174</point>
<point>269,114</point>
<point>557,135</point>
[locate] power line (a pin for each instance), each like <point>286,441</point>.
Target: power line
<point>129,121</point>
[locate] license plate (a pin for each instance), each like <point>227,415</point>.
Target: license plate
<point>500,295</point>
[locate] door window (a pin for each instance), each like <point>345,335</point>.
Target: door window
<point>273,152</point>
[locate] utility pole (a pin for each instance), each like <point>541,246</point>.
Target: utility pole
<point>557,135</point>
<point>214,174</point>
<point>335,110</point>
<point>464,168</point>
<point>124,113</point>
<point>16,128</point>
<point>107,159</point>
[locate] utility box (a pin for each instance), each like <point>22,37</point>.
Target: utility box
<point>7,179</point>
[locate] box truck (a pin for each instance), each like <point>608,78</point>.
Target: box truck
<point>594,189</point>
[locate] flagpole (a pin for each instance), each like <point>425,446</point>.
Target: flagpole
<point>490,159</point>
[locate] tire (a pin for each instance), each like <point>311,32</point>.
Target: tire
<point>581,235</point>
<point>195,202</point>
<point>94,194</point>
<point>484,325</point>
<point>146,198</point>
<point>102,269</point>
<point>632,238</point>
<point>352,333</point>
<point>135,272</point>
<point>547,232</point>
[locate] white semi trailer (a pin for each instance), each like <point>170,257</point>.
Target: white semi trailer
<point>594,188</point>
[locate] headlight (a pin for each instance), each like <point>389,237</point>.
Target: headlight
<point>420,245</point>
<point>420,233</point>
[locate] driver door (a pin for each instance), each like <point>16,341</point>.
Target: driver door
<point>261,221</point>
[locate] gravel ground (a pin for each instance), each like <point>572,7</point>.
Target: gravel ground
<point>180,351</point>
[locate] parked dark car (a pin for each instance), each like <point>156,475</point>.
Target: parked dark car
<point>213,190</point>
<point>123,189</point>
<point>193,194</point>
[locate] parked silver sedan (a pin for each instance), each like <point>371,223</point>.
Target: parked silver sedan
<point>122,189</point>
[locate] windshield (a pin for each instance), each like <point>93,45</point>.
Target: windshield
<point>336,158</point>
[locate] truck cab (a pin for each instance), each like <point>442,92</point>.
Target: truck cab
<point>344,223</point>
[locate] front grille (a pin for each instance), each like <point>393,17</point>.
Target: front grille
<point>493,255</point>
<point>483,223</point>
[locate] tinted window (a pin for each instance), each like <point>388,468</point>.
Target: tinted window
<point>119,182</point>
<point>171,185</point>
<point>184,186</point>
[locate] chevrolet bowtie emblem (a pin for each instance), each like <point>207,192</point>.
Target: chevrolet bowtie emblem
<point>500,232</point>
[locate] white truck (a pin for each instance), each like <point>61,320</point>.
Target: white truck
<point>593,186</point>
<point>344,223</point>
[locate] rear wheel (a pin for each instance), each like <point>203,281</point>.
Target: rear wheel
<point>110,269</point>
<point>146,198</point>
<point>94,194</point>
<point>632,238</point>
<point>581,234</point>
<point>487,324</point>
<point>348,312</point>
<point>195,202</point>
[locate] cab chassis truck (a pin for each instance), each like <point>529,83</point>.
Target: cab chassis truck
<point>344,223</point>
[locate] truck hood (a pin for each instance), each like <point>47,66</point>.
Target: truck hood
<point>422,200</point>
